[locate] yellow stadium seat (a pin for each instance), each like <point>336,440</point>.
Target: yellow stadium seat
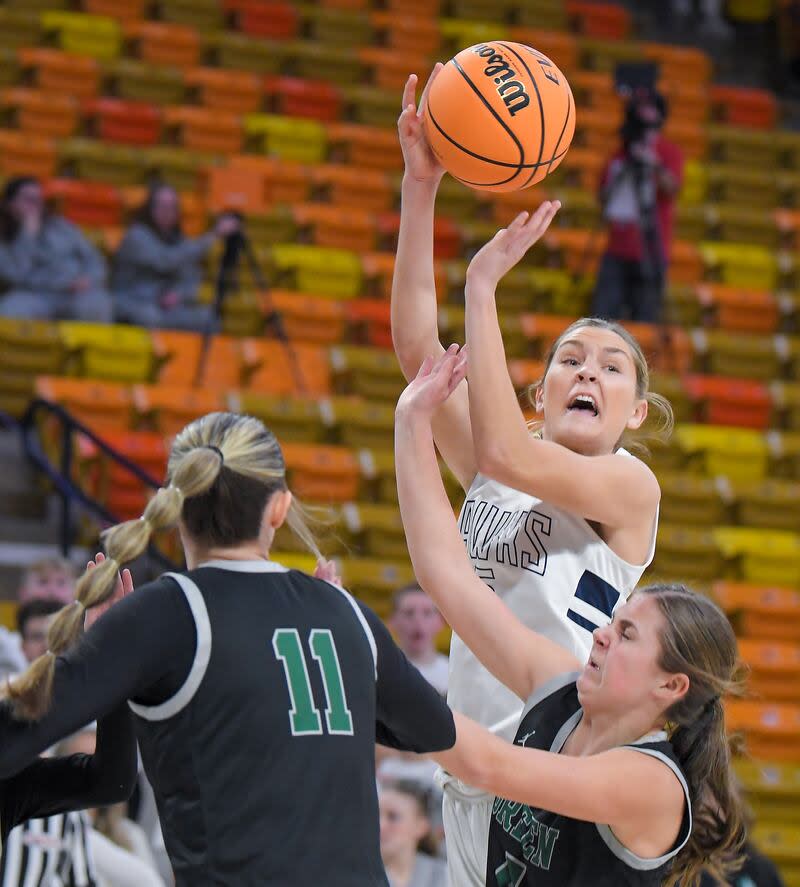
<point>369,105</point>
<point>548,14</point>
<point>741,264</point>
<point>695,184</point>
<point>316,61</point>
<point>112,164</point>
<point>374,581</point>
<point>338,27</point>
<point>369,372</point>
<point>786,399</point>
<point>296,560</point>
<point>359,423</point>
<point>289,138</point>
<point>774,669</point>
<point>605,55</point>
<point>139,81</point>
<point>737,145</point>
<point>733,452</point>
<point>741,356</point>
<point>204,15</point>
<point>94,35</point>
<point>179,167</point>
<point>780,842</point>
<point>316,269</point>
<point>750,187</point>
<point>761,611</point>
<point>784,454</point>
<point>291,418</point>
<point>742,225</point>
<point>376,529</point>
<point>684,553</point>
<point>765,557</point>
<point>27,348</point>
<point>770,504</point>
<point>259,56</point>
<point>458,33</point>
<point>19,27</point>
<point>120,353</point>
<point>773,789</point>
<point>687,499</point>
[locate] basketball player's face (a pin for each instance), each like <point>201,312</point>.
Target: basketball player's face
<point>589,394</point>
<point>402,826</point>
<point>416,622</point>
<point>623,669</point>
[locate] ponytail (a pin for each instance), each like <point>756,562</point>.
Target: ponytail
<point>194,474</point>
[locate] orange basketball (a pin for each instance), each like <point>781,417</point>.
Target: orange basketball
<point>500,116</point>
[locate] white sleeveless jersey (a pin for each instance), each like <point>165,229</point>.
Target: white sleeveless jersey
<point>554,572</point>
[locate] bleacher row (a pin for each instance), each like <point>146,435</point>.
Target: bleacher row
<point>286,112</point>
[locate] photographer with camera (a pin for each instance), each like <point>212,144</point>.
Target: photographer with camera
<point>638,190</point>
<point>157,270</point>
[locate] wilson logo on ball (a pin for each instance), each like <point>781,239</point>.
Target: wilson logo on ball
<point>510,90</point>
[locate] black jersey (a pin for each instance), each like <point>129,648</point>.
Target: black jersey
<point>530,846</point>
<point>258,694</point>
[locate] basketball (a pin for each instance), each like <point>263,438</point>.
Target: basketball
<point>499,116</point>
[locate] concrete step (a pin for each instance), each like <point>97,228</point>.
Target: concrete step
<point>20,491</point>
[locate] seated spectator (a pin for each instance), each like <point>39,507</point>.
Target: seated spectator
<point>416,622</point>
<point>157,271</point>
<point>407,846</point>
<point>33,623</point>
<point>50,578</point>
<point>48,269</point>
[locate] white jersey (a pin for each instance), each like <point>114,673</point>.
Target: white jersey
<point>554,572</point>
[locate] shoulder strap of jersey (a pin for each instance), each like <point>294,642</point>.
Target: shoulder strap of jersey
<point>170,707</point>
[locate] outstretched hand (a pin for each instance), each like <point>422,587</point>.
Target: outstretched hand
<point>421,163</point>
<point>436,380</point>
<point>510,244</point>
<point>123,587</point>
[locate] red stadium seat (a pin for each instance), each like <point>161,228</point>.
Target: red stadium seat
<point>737,402</point>
<point>87,203</point>
<point>264,18</point>
<point>316,99</point>
<point>606,20</point>
<point>129,123</point>
<point>744,107</point>
<point>371,319</point>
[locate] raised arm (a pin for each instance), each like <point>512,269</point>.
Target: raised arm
<point>414,309</point>
<point>518,657</point>
<point>610,490</point>
<point>604,788</point>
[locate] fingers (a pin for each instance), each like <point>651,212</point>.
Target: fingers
<point>436,68</point>
<point>127,581</point>
<point>410,91</point>
<point>425,369</point>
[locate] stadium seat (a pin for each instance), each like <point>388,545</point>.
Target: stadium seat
<point>122,10</point>
<point>368,372</point>
<point>96,36</point>
<point>376,530</point>
<point>297,368</point>
<point>690,500</point>
<point>175,355</point>
<point>338,227</point>
<point>338,27</point>
<point>542,330</point>
<point>737,355</point>
<point>320,473</point>
<point>40,113</point>
<point>315,61</point>
<point>366,189</point>
<point>764,557</point>
<point>387,68</point>
<point>786,401</point>
<point>286,137</point>
<point>740,264</point>
<point>738,106</point>
<point>86,203</point>
<point>374,581</point>
<point>599,19</point>
<point>272,20</point>
<point>107,351</point>
<point>164,44</point>
<point>761,612</point>
<point>723,401</point>
<point>181,168</point>
<point>773,789</point>
<point>142,82</point>
<point>168,409</point>
<point>54,71</point>
<point>774,669</point>
<point>742,225</point>
<point>732,452</point>
<point>307,318</point>
<point>312,99</point>
<point>239,51</point>
<point>772,731</point>
<point>19,28</point>
<point>369,321</point>
<point>204,15</point>
<point>781,842</point>
<point>129,123</point>
<point>10,67</point>
<point>290,418</point>
<point>112,164</point>
<point>687,553</point>
<point>740,310</point>
<point>771,504</point>
<point>319,270</point>
<point>408,33</point>
<point>205,129</point>
<point>232,92</point>
<point>284,181</point>
<point>364,146</point>
<point>731,184</point>
<point>736,145</point>
<point>27,348</point>
<point>360,424</point>
<point>26,155</point>
<point>102,406</point>
<point>458,33</point>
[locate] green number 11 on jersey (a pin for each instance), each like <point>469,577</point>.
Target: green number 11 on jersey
<point>304,716</point>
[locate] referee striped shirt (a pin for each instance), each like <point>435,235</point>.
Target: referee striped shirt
<point>51,852</point>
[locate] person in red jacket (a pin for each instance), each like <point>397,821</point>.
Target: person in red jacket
<point>638,189</point>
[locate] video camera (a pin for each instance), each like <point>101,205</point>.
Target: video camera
<point>646,108</point>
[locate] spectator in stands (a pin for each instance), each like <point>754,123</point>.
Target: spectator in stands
<point>157,270</point>
<point>48,269</point>
<point>407,845</point>
<point>638,190</point>
<point>416,622</point>
<point>118,847</point>
<point>52,577</point>
<point>33,622</point>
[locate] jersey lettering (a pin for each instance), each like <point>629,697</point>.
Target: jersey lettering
<point>537,842</point>
<point>304,716</point>
<point>516,538</point>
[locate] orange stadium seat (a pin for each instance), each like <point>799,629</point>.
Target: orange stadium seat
<point>285,181</point>
<point>406,32</point>
<point>389,68</point>
<point>599,19</point>
<point>774,668</point>
<point>102,406</point>
<point>723,401</point>
<point>176,354</point>
<point>168,409</point>
<point>86,203</point>
<point>761,612</point>
<point>296,368</point>
<point>123,10</point>
<point>683,63</point>
<point>368,189</point>
<point>771,730</point>
<point>229,188</point>
<point>307,318</point>
<point>234,92</point>
<point>62,72</point>
<point>205,129</point>
<point>364,146</point>
<point>319,473</point>
<point>371,320</point>
<point>740,310</point>
<point>316,99</point>
<point>205,15</point>
<point>560,46</point>
<point>273,20</point>
<point>340,227</point>
<point>47,114</point>
<point>22,154</point>
<point>130,123</point>
<point>744,107</point>
<point>165,44</point>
